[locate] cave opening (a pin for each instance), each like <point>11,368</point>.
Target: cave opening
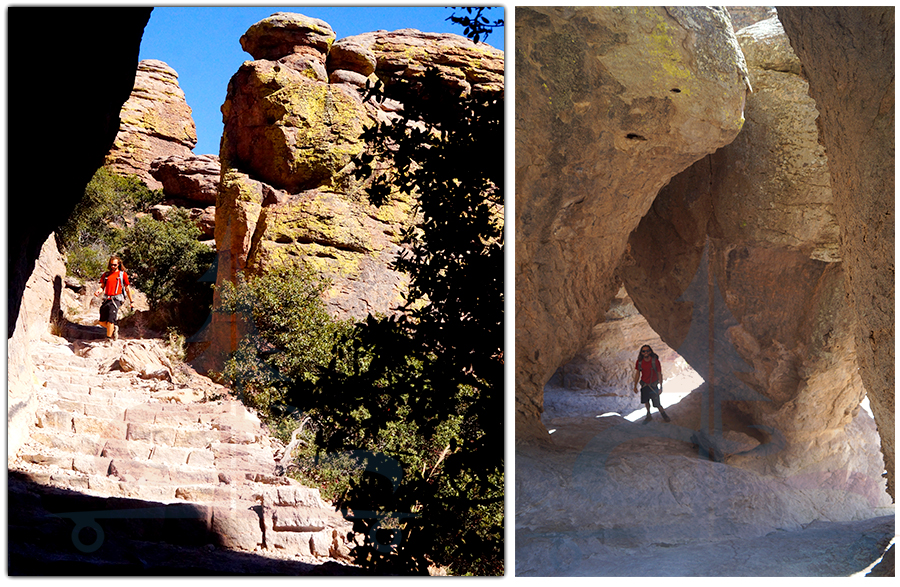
<point>598,381</point>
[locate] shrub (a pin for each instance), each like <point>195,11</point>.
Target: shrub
<point>108,199</point>
<point>290,335</point>
<point>87,262</point>
<point>164,258</point>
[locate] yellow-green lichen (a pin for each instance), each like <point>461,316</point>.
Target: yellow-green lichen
<point>662,48</point>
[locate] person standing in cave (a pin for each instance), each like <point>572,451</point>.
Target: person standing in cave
<point>113,286</point>
<point>648,380</point>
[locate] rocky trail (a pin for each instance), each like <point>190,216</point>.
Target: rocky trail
<point>135,467</point>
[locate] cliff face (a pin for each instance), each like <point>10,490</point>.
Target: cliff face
<point>293,120</point>
<point>848,58</point>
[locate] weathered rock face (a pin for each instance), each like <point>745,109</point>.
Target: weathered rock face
<point>737,266</point>
<point>596,138</point>
<point>848,58</point>
<point>293,121</point>
<point>40,307</point>
<point>156,122</point>
<point>406,54</point>
<point>294,131</point>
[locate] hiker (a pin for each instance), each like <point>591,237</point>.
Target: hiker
<point>648,379</point>
<point>114,286</point>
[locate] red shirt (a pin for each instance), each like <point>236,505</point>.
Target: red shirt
<point>109,281</point>
<point>646,369</point>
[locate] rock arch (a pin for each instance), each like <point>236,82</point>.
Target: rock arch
<point>737,259</point>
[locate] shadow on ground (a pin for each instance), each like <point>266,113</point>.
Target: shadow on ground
<point>122,536</point>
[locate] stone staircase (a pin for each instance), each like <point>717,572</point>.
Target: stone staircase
<point>122,456</point>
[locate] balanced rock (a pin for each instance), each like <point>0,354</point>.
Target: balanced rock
<point>156,122</point>
<point>285,33</point>
<point>193,177</point>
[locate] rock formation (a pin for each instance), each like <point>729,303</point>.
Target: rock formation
<point>848,58</point>
<point>738,265</point>
<point>192,183</point>
<point>156,123</point>
<point>744,16</point>
<point>293,122</point>
<point>752,238</point>
<point>596,138</point>
<point>191,178</point>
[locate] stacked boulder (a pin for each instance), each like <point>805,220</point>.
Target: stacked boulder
<point>155,122</point>
<point>293,123</point>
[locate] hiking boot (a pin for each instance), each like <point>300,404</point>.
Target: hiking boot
<point>648,418</point>
<point>666,417</point>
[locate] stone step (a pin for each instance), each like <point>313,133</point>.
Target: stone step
<point>105,439</point>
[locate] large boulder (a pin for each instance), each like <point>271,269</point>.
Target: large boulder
<point>194,178</point>
<point>596,138</point>
<point>156,122</point>
<point>848,58</point>
<point>294,132</point>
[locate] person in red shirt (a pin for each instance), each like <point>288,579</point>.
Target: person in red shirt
<point>648,379</point>
<point>113,286</point>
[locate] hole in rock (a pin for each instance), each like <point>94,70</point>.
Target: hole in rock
<point>635,137</point>
<point>599,380</point>
<point>675,91</point>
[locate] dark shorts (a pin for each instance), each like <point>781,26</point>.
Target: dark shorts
<point>649,392</point>
<point>109,310</point>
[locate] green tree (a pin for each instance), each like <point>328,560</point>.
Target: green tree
<point>431,378</point>
<point>108,199</point>
<point>164,257</point>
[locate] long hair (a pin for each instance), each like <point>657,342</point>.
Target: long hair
<point>652,354</point>
<point>115,258</point>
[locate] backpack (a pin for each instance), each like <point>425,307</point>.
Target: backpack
<point>119,297</point>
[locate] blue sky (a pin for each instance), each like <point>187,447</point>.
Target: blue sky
<point>203,45</point>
